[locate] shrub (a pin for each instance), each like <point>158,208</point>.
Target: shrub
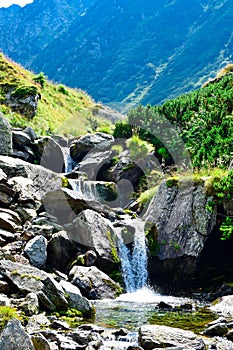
<point>138,148</point>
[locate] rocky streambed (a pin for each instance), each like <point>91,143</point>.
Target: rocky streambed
<point>71,237</point>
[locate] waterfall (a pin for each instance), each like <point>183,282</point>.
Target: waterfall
<point>134,263</point>
<point>69,162</point>
<point>85,188</point>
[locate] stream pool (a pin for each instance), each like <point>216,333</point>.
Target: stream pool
<point>132,310</point>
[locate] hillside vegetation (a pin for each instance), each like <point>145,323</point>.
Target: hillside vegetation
<point>61,110</point>
<point>202,120</point>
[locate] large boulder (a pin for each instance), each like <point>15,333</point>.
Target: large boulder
<point>50,154</point>
<point>223,305</point>
<point>15,337</point>
<point>95,232</point>
<point>181,221</point>
<point>93,283</point>
<point>36,251</point>
<point>153,337</point>
<point>43,180</point>
<point>61,251</point>
<point>98,141</point>
<point>5,136</point>
<point>28,279</point>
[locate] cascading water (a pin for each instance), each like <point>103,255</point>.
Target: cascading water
<point>85,188</point>
<point>69,162</point>
<point>134,263</point>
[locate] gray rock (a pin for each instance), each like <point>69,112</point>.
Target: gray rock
<point>4,300</point>
<point>50,154</point>
<point>30,279</point>
<point>14,337</point>
<point>36,251</point>
<point>61,251</point>
<point>40,342</point>
<point>65,204</point>
<point>9,220</point>
<point>30,305</point>
<point>23,100</point>
<point>36,322</point>
<point>219,329</point>
<point>5,136</point>
<point>93,283</point>
<point>151,337</point>
<point>20,139</point>
<point>223,305</point>
<point>98,141</point>
<point>43,180</point>
<point>94,232</point>
<point>31,133</point>
<point>183,223</point>
<point>75,298</point>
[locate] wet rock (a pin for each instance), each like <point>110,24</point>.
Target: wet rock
<point>93,163</point>
<point>98,141</point>
<point>30,279</point>
<point>5,136</point>
<point>152,337</point>
<point>15,337</point>
<point>36,251</point>
<point>93,283</point>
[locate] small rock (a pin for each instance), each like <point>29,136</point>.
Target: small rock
<point>57,324</point>
<point>219,329</point>
<point>36,250</point>
<point>40,342</point>
<point>163,305</point>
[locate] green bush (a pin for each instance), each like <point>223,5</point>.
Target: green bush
<point>138,148</point>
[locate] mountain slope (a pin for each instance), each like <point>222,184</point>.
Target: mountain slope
<point>122,52</point>
<point>27,99</point>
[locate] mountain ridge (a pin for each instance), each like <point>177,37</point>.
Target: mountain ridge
<point>123,53</point>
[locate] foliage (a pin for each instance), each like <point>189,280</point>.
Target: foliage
<point>138,148</point>
<point>201,120</point>
<point>40,79</point>
<point>6,313</point>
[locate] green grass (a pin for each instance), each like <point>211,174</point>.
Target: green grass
<point>61,110</point>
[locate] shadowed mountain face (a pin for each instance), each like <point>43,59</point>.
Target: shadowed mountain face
<point>122,52</point>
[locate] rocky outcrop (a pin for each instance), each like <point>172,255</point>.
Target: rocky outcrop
<point>29,279</point>
<point>93,283</point>
<point>23,100</point>
<point>181,223</point>
<point>5,136</point>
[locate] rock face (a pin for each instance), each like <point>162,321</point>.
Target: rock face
<point>181,223</point>
<point>153,337</point>
<point>23,100</point>
<point>5,136</point>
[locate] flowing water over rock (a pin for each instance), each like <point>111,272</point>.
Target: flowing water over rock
<point>134,263</point>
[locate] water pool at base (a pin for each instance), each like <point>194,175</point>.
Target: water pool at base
<point>132,310</point>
